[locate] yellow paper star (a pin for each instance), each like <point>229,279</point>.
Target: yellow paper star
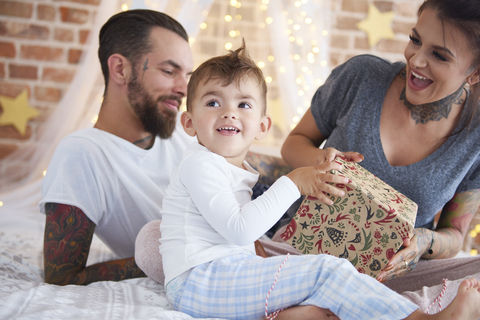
<point>377,25</point>
<point>16,112</point>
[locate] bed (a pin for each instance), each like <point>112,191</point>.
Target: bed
<point>25,295</point>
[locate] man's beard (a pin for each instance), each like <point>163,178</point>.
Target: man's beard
<point>155,121</point>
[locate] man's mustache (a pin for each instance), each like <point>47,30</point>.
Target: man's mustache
<point>170,97</point>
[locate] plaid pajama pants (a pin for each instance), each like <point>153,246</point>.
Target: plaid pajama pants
<point>236,287</point>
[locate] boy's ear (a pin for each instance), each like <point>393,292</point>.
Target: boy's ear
<point>265,125</point>
<point>119,69</point>
<point>187,123</point>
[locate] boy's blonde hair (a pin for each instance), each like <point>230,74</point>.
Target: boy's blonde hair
<point>228,68</point>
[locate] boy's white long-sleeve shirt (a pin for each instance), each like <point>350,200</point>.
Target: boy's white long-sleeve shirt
<point>207,211</point>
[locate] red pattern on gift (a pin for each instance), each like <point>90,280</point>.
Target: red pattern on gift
<point>289,230</point>
<point>304,210</point>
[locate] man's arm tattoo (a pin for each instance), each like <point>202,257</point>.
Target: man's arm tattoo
<point>68,236</point>
<point>270,168</point>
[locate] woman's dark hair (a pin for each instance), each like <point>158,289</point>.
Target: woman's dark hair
<point>464,15</point>
<point>127,33</point>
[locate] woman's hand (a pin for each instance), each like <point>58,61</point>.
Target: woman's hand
<point>331,153</point>
<point>445,242</point>
<point>406,259</point>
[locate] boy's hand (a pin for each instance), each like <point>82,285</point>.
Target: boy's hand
<point>310,181</point>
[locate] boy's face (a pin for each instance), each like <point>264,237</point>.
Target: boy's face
<point>227,119</point>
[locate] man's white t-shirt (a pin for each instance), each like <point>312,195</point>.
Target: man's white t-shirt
<point>119,186</point>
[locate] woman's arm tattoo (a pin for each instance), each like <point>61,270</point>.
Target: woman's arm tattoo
<point>453,224</point>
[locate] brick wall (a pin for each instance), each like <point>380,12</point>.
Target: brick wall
<point>41,43</point>
<point>40,46</point>
<point>347,40</point>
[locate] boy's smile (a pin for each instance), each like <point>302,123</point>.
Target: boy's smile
<point>228,130</point>
<point>226,119</point>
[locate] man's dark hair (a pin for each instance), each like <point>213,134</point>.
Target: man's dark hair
<point>127,33</point>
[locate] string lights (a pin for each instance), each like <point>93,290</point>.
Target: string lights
<point>473,234</point>
<point>302,30</point>
<point>299,27</point>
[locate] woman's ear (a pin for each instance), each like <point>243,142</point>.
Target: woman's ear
<point>119,69</point>
<point>187,123</point>
<point>474,77</point>
<point>265,125</point>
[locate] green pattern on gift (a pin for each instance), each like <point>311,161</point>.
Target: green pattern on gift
<point>305,243</point>
<point>380,214</point>
<point>384,240</point>
<point>327,244</point>
<point>355,260</point>
<point>368,241</point>
<point>359,195</point>
<point>315,219</point>
<point>338,204</point>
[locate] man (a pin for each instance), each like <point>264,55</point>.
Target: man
<point>110,179</point>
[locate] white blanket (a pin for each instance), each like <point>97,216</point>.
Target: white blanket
<point>25,295</point>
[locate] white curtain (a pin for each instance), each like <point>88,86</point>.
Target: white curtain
<point>300,64</point>
<point>300,39</point>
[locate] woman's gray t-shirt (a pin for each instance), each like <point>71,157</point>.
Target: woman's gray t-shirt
<point>347,111</point>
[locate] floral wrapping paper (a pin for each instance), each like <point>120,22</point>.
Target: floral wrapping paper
<point>366,226</point>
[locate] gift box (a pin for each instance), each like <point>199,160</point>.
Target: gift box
<point>366,226</point>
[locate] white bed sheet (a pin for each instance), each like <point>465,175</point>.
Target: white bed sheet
<point>25,295</point>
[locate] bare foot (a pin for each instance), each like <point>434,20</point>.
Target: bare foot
<point>463,307</point>
<point>306,313</point>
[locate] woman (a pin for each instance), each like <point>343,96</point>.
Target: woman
<point>415,123</point>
